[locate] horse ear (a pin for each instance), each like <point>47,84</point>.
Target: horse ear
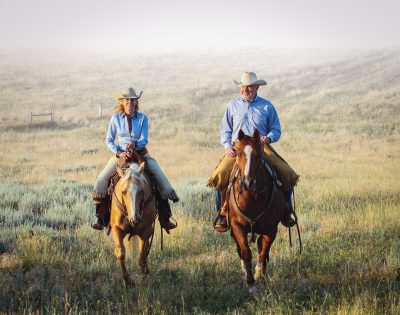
<point>140,169</point>
<point>241,135</point>
<point>256,134</point>
<point>120,171</point>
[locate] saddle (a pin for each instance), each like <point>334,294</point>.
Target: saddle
<point>137,157</point>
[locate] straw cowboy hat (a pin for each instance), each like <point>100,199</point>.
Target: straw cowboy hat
<point>128,93</point>
<point>250,78</point>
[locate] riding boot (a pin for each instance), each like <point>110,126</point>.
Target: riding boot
<point>221,225</point>
<point>164,214</point>
<point>102,213</point>
<point>287,220</point>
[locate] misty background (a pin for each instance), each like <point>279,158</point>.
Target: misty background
<point>177,24</point>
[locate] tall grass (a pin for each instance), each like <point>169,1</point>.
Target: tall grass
<point>339,113</point>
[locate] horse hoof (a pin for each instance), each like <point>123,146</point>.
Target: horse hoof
<point>145,271</point>
<point>253,290</point>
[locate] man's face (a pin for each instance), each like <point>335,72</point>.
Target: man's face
<point>249,92</point>
<point>130,105</point>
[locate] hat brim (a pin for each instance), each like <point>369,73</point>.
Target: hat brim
<point>129,96</point>
<point>258,82</point>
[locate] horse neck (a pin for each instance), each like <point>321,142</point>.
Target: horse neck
<point>147,189</point>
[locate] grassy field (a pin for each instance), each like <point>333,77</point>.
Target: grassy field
<point>339,112</point>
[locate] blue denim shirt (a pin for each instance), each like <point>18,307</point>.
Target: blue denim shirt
<point>119,129</point>
<point>240,114</point>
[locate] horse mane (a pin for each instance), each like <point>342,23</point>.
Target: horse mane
<point>132,174</point>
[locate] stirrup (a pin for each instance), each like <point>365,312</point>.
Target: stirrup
<point>168,225</point>
<point>97,226</point>
<point>221,225</point>
<point>288,222</point>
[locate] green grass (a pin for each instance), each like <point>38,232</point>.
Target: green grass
<point>53,265</point>
<point>339,113</point>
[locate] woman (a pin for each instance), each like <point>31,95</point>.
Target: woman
<point>130,128</point>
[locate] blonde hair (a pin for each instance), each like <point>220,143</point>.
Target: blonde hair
<point>120,107</point>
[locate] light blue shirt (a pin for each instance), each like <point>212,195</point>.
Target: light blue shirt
<point>119,129</point>
<point>240,114</point>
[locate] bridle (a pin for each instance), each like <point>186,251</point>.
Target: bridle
<point>253,181</point>
<point>238,176</point>
<point>122,207</point>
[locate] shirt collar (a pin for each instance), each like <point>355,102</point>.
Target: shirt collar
<point>252,101</point>
<point>134,116</point>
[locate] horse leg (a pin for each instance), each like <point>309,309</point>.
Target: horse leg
<point>119,252</point>
<point>264,243</point>
<point>245,255</point>
<point>142,256</point>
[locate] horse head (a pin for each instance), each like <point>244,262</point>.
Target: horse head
<point>132,189</point>
<point>249,159</point>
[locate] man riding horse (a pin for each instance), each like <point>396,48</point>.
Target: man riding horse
<point>130,128</point>
<point>249,113</point>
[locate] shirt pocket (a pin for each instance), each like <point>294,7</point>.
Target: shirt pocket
<point>259,117</point>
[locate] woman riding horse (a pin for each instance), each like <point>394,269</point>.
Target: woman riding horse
<point>130,128</point>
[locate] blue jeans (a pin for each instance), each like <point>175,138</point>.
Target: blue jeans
<point>218,200</point>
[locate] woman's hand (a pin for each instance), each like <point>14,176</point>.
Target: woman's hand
<point>130,146</point>
<point>125,155</point>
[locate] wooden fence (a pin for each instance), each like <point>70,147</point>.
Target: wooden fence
<point>101,107</point>
<point>51,114</point>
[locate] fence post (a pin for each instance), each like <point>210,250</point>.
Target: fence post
<point>31,119</point>
<point>100,110</point>
<point>52,116</point>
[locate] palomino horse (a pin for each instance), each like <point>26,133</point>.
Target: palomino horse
<point>255,205</point>
<point>133,212</point>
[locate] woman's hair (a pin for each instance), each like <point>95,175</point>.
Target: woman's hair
<point>120,107</point>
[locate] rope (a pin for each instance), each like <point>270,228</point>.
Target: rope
<point>297,226</point>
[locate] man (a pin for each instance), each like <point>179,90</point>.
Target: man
<point>250,112</point>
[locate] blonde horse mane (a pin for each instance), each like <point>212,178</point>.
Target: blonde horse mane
<point>131,175</point>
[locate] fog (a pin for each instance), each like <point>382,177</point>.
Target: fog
<point>176,24</point>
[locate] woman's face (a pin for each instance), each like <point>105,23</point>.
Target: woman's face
<point>130,106</point>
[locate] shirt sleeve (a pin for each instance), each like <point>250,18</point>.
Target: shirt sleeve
<point>274,132</point>
<point>144,134</point>
<point>111,134</point>
<point>226,128</point>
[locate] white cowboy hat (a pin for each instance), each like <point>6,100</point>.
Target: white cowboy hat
<point>250,78</point>
<point>128,93</point>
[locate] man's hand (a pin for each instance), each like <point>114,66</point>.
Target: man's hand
<point>230,152</point>
<point>265,140</point>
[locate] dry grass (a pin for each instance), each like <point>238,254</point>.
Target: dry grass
<point>339,112</point>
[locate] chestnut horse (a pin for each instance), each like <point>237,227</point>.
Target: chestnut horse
<point>133,212</point>
<point>255,203</point>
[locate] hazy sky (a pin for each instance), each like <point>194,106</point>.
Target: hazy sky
<point>185,23</point>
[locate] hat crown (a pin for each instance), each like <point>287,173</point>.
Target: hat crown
<point>248,78</point>
<point>129,93</point>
